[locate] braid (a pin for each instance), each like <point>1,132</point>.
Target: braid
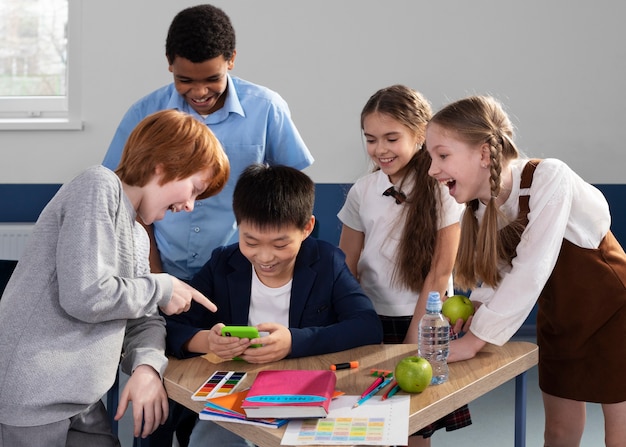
<point>495,156</point>
<point>477,120</point>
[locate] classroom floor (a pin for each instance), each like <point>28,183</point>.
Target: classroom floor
<point>493,420</point>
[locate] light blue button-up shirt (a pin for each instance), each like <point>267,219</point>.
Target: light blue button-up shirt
<point>254,125</point>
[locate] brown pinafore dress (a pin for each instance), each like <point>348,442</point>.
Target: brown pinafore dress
<point>581,319</point>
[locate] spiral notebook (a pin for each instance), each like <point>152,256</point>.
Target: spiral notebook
<point>376,422</point>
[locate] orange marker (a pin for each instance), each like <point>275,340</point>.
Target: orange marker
<point>348,365</point>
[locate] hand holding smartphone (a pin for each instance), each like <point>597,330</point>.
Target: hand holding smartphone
<point>248,332</point>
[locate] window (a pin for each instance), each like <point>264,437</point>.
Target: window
<point>35,63</point>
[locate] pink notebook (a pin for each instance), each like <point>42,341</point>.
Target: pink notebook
<point>290,394</point>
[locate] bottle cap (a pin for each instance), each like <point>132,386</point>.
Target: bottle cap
<point>434,302</point>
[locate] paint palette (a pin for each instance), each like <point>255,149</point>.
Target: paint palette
<point>219,384</point>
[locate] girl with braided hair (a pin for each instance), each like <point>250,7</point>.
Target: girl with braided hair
<point>534,231</point>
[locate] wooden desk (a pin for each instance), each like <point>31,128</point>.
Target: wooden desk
<point>468,380</point>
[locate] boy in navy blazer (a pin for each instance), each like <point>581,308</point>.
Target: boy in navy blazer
<point>296,288</point>
<point>293,287</point>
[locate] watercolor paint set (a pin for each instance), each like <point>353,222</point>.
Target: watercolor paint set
<point>220,383</point>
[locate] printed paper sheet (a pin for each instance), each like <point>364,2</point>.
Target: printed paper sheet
<point>376,422</point>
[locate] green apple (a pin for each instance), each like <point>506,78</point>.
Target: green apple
<point>457,306</point>
<point>413,374</point>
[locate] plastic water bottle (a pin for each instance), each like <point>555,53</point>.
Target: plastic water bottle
<point>434,338</point>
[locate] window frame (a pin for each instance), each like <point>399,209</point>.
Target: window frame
<point>47,112</point>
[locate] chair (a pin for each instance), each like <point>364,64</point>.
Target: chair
<point>6,270</point>
<point>113,399</point>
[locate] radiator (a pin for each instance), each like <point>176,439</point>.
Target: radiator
<point>13,238</point>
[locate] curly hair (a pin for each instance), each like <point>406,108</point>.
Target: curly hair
<point>200,33</point>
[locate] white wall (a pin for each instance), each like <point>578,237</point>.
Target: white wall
<point>559,66</point>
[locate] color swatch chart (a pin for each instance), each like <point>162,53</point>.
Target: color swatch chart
<point>375,422</point>
<point>219,384</point>
<point>342,430</point>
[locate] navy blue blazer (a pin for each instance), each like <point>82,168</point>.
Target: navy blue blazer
<point>328,311</point>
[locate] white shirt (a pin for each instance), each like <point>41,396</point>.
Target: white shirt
<point>269,304</point>
<point>368,211</point>
<point>562,205</point>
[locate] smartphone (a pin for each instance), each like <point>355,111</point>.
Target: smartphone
<point>248,332</point>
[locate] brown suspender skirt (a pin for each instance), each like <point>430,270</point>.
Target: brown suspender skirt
<point>581,323</point>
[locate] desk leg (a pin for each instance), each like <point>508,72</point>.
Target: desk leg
<point>520,410</point>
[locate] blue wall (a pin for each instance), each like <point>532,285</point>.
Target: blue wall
<point>330,198</point>
<point>24,202</point>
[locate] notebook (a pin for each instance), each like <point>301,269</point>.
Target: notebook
<point>288,394</point>
<point>228,409</point>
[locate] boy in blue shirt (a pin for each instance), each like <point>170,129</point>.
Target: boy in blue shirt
<point>252,123</point>
<point>296,288</point>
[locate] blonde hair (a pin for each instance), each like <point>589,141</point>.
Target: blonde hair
<point>180,144</point>
<point>477,120</point>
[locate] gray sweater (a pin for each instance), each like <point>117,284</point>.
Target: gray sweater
<point>74,303</point>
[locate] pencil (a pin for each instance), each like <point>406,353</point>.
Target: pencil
<point>377,381</point>
<point>373,392</point>
<point>393,389</point>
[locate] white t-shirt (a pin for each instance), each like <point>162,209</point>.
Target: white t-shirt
<point>562,205</point>
<point>368,211</point>
<point>269,304</point>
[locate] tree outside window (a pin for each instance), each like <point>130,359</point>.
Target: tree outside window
<point>33,58</point>
<point>39,55</point>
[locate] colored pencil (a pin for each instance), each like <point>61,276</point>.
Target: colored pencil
<point>373,392</point>
<point>393,389</point>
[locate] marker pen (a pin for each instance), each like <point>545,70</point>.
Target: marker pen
<point>348,365</point>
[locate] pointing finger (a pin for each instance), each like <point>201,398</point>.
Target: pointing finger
<point>203,300</point>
